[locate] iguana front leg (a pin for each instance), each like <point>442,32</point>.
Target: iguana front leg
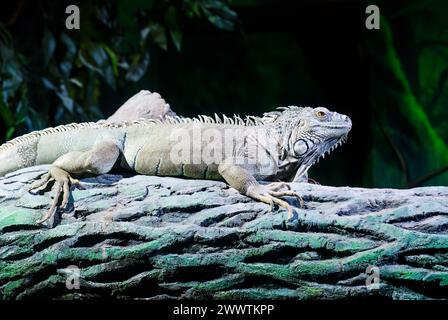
<point>98,160</point>
<point>243,181</point>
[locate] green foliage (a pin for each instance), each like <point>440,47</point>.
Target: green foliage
<point>410,95</point>
<point>63,79</point>
<point>11,86</point>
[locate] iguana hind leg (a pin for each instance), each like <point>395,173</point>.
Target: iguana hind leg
<point>98,160</point>
<point>241,179</point>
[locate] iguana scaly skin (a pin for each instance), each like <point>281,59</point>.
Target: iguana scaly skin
<point>281,145</point>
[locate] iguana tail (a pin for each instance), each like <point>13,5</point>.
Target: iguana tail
<point>45,146</point>
<point>17,154</point>
<point>34,148</point>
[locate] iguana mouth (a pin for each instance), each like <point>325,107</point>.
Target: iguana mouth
<point>335,126</point>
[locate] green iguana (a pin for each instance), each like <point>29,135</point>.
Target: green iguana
<point>279,146</point>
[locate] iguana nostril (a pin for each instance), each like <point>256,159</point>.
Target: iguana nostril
<point>348,120</point>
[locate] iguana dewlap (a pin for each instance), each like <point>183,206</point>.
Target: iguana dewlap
<point>281,145</point>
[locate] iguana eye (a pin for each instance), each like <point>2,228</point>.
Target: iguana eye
<point>320,114</point>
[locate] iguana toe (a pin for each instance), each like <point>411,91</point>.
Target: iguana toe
<point>289,193</point>
<point>41,184</point>
<point>266,194</point>
<point>276,186</point>
<point>62,183</point>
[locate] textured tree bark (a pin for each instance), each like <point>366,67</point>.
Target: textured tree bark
<point>141,237</point>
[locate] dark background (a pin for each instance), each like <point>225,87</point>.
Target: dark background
<point>246,57</point>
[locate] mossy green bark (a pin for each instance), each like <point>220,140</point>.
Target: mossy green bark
<point>202,240</point>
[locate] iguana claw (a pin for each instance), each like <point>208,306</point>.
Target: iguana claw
<point>62,182</point>
<point>271,194</point>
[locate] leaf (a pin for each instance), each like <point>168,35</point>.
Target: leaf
<point>124,65</point>
<point>21,111</point>
<point>126,18</point>
<point>109,76</point>
<point>66,100</point>
<point>5,36</point>
<point>95,57</point>
<point>144,33</point>
<point>171,20</point>
<point>48,84</point>
<point>67,64</point>
<point>158,34</point>
<point>76,82</point>
<point>99,56</point>
<point>219,14</point>
<point>138,67</point>
<point>59,115</point>
<point>83,58</point>
<point>36,120</point>
<point>193,9</point>
<point>10,133</point>
<point>113,58</point>
<point>12,67</point>
<point>48,46</point>
<point>71,46</point>
<point>6,114</point>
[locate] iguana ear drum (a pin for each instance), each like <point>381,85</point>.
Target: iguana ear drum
<point>300,147</point>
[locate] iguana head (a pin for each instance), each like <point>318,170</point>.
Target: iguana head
<point>308,133</point>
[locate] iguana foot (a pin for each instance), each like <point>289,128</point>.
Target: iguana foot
<point>62,181</point>
<point>271,194</point>
<point>278,186</point>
